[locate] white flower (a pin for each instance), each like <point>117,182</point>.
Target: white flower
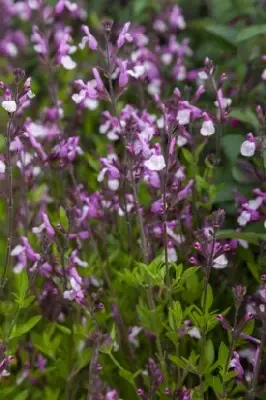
<point>69,294</point>
<point>160,122</point>
<point>244,218</point>
<point>181,23</point>
<point>68,63</point>
<point>207,128</point>
<point>167,58</point>
<point>154,87</point>
<point>113,184</point>
<point>243,243</point>
<point>155,163</point>
<point>30,94</point>
<point>78,97</point>
<point>255,204</point>
<point>265,224</point>
<point>132,335</point>
<point>12,49</point>
<point>137,71</point>
<point>17,250</point>
<point>220,262</point>
<point>225,102</point>
<point>194,332</point>
<point>172,254</point>
<point>181,75</point>
<point>18,268</point>
<point>183,117</point>
<point>81,263</point>
<point>38,229</point>
<point>9,105</point>
<point>101,175</point>
<point>91,104</point>
<point>181,140</point>
<point>248,148</point>
<point>160,25</point>
<point>263,75</point>
<point>202,75</point>
<point>2,167</point>
<point>37,130</point>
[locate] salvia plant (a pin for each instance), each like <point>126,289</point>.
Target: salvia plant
<point>132,200</point>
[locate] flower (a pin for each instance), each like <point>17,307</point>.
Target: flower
<point>244,218</point>
<point>68,63</point>
<point>88,38</point>
<point>220,262</point>
<point>203,75</point>
<point>155,163</point>
<point>137,71</point>
<point>207,128</point>
<point>124,35</point>
<point>2,167</point>
<point>183,117</point>
<point>9,105</point>
<point>248,148</point>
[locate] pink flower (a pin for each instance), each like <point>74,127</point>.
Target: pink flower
<point>88,38</point>
<point>124,36</point>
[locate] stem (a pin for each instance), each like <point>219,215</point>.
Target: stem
<point>144,243</point>
<point>204,333</point>
<point>10,202</point>
<point>168,279</point>
<point>115,112</point>
<point>235,335</point>
<point>255,379</point>
<point>219,127</point>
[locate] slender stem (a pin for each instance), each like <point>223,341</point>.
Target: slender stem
<point>115,112</point>
<point>219,126</point>
<point>255,379</point>
<point>10,202</point>
<point>204,304</point>
<point>235,335</point>
<point>165,237</point>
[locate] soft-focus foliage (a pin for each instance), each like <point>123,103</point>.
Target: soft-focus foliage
<point>132,199</point>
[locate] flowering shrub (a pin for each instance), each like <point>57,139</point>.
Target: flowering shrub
<point>132,202</point>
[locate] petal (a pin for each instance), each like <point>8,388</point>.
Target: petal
<point>9,105</point>
<point>2,167</point>
<point>68,63</point>
<point>207,128</point>
<point>248,148</point>
<point>183,117</point>
<point>155,163</point>
<point>220,262</point>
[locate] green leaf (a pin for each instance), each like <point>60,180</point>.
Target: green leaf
<point>187,155</point>
<point>223,355</point>
<point>177,361</point>
<point>208,355</point>
<point>250,32</point>
<point>22,284</point>
<point>223,32</point>
<point>231,145</point>
<point>63,329</point>
<point>63,218</point>
<point>245,115</point>
<point>175,315</point>
<point>22,329</point>
<point>22,395</point>
<point>250,237</point>
<point>51,393</point>
<point>188,273</point>
<point>26,302</point>
<point>127,375</point>
<point>209,299</point>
